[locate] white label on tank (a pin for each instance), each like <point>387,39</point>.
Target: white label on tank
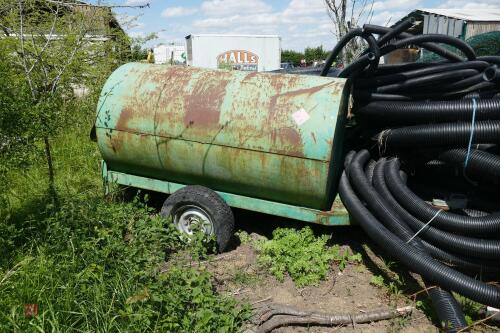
<point>300,116</point>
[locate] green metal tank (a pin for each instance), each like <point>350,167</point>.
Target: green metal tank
<point>264,135</point>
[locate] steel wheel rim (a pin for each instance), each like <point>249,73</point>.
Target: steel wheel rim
<point>189,217</point>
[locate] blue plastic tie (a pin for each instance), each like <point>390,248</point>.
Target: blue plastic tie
<point>474,107</point>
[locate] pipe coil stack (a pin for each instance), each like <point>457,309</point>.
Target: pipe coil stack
<point>420,132</point>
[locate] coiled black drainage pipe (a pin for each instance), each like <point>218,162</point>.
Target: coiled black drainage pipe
<point>468,247</point>
<point>422,82</point>
<point>440,135</point>
<point>480,164</point>
<point>473,226</point>
<point>420,263</point>
<point>492,74</point>
<point>448,308</point>
<point>434,235</point>
<point>431,111</point>
<point>414,73</point>
<point>452,102</point>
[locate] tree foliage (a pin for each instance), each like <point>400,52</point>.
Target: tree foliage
<point>291,56</point>
<point>51,51</point>
<point>315,53</point>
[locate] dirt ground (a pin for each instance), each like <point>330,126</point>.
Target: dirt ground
<point>237,273</point>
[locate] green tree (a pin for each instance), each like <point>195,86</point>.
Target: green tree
<point>138,51</point>
<point>315,53</point>
<point>50,50</point>
<point>291,56</point>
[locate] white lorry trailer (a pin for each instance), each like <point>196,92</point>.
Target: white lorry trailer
<point>242,52</point>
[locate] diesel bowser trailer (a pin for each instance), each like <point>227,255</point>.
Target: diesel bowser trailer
<point>218,139</point>
<point>410,152</point>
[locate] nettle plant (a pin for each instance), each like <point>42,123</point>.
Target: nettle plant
<point>51,51</point>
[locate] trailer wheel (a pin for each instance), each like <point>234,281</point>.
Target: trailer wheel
<point>200,206</point>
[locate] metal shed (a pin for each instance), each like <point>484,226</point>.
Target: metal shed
<point>461,23</point>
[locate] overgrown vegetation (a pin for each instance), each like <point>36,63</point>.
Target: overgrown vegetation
<point>306,258</point>
<point>70,260</point>
<point>96,266</point>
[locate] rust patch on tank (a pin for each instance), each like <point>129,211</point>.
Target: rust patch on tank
<point>289,139</point>
<point>202,106</point>
<point>250,76</point>
<point>122,123</point>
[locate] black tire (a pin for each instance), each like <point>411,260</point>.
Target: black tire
<point>210,202</point>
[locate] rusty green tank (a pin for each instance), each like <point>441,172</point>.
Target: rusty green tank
<point>264,135</point>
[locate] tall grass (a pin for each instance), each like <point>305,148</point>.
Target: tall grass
<point>90,264</point>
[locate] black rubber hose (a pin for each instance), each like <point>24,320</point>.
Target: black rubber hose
<point>480,164</point>
<point>449,309</point>
<point>444,134</point>
<point>492,74</point>
<point>410,74</point>
<point>420,263</point>
<point>435,38</point>
<point>428,46</point>
<point>468,225</point>
<point>358,65</point>
<point>393,33</point>
<point>466,246</point>
<point>340,45</point>
<point>490,59</point>
<point>469,264</point>
<point>371,96</point>
<point>465,83</point>
<point>432,111</point>
<point>431,79</point>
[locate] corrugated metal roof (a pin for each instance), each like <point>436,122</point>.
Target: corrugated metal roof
<point>474,15</point>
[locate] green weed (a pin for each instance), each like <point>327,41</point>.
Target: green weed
<point>303,256</point>
<point>94,265</point>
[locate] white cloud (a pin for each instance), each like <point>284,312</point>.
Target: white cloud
<point>464,4</point>
<point>178,11</point>
<point>234,7</point>
<point>390,5</point>
<point>135,2</point>
<point>304,7</point>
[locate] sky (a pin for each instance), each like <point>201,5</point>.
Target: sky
<point>300,23</point>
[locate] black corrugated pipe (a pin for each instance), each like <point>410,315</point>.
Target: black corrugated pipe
<point>441,51</point>
<point>358,65</point>
<point>467,82</point>
<point>481,164</point>
<point>492,74</point>
<point>410,74</point>
<point>440,135</point>
<point>468,264</point>
<point>393,33</point>
<point>340,45</point>
<point>434,80</point>
<point>431,111</point>
<point>490,59</point>
<point>434,38</point>
<point>449,311</point>
<point>457,244</point>
<point>420,263</point>
<point>479,226</point>
<point>444,106</point>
